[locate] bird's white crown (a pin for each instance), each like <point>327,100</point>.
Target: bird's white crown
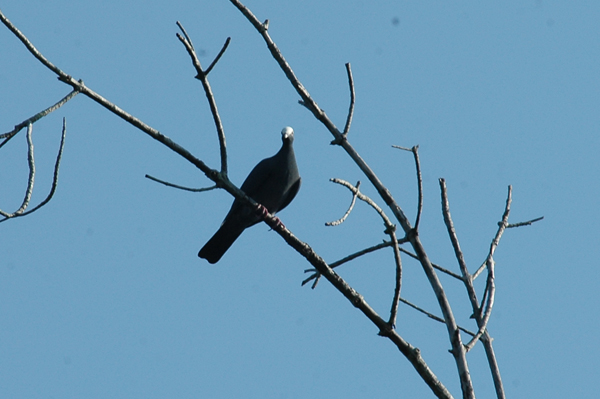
<point>287,132</point>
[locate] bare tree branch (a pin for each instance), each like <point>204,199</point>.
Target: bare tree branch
<point>490,288</point>
<point>352,98</point>
<point>527,223</point>
<point>218,57</point>
<point>30,180</point>
<point>166,183</point>
<point>203,77</point>
<point>9,135</point>
<point>343,218</point>
<point>31,162</point>
<point>415,151</point>
<point>432,316</point>
<point>458,350</point>
<point>466,276</point>
<point>390,229</point>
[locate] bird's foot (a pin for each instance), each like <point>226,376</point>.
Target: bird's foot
<point>278,222</point>
<point>262,211</point>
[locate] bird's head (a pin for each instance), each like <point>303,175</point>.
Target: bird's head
<point>287,133</point>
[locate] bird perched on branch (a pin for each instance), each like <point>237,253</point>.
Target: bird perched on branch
<point>273,183</point>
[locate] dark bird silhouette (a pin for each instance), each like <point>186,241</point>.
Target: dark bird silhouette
<point>273,183</point>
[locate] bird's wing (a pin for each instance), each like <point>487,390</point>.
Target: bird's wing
<point>291,193</point>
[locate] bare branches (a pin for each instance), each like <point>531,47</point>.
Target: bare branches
<point>466,277</point>
<point>30,153</point>
<point>415,151</point>
<point>30,46</point>
<point>481,313</point>
<point>352,98</point>
<point>409,351</point>
<point>203,77</point>
<point>453,332</point>
<point>390,229</point>
<point>31,163</point>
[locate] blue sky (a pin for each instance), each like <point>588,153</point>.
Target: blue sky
<point>102,294</point>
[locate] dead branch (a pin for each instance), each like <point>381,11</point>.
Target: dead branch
<point>350,208</point>
<point>31,163</point>
<point>166,183</point>
<point>203,77</point>
<point>415,151</point>
<point>457,347</point>
<point>352,98</point>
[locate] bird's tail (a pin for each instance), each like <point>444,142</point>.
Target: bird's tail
<point>214,249</point>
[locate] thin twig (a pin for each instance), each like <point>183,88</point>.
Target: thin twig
<point>527,223</point>
<point>398,280</point>
<point>490,288</point>
<point>432,316</point>
<point>9,135</point>
<point>435,266</point>
<point>343,218</point>
<point>218,57</point>
<point>511,225</point>
<point>353,256</point>
<point>352,98</point>
<point>30,179</point>
<point>187,37</point>
<point>466,276</point>
<point>166,183</point>
<point>415,151</point>
<point>386,221</point>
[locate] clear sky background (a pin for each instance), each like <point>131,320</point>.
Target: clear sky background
<point>102,294</point>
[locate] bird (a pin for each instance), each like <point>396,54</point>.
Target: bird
<point>273,183</point>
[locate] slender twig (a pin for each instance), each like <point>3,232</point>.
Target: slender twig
<point>466,276</point>
<point>415,151</point>
<point>527,223</point>
<point>362,252</point>
<point>511,225</point>
<point>398,280</point>
<point>166,183</point>
<point>386,220</point>
<point>187,37</point>
<point>343,218</point>
<point>9,135</point>
<point>218,57</point>
<point>30,179</point>
<point>202,76</point>
<point>437,267</point>
<point>432,316</point>
<point>352,98</point>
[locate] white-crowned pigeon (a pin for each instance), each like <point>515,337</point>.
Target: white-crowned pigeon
<point>273,183</point>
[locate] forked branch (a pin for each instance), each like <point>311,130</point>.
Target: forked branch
<point>31,163</point>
